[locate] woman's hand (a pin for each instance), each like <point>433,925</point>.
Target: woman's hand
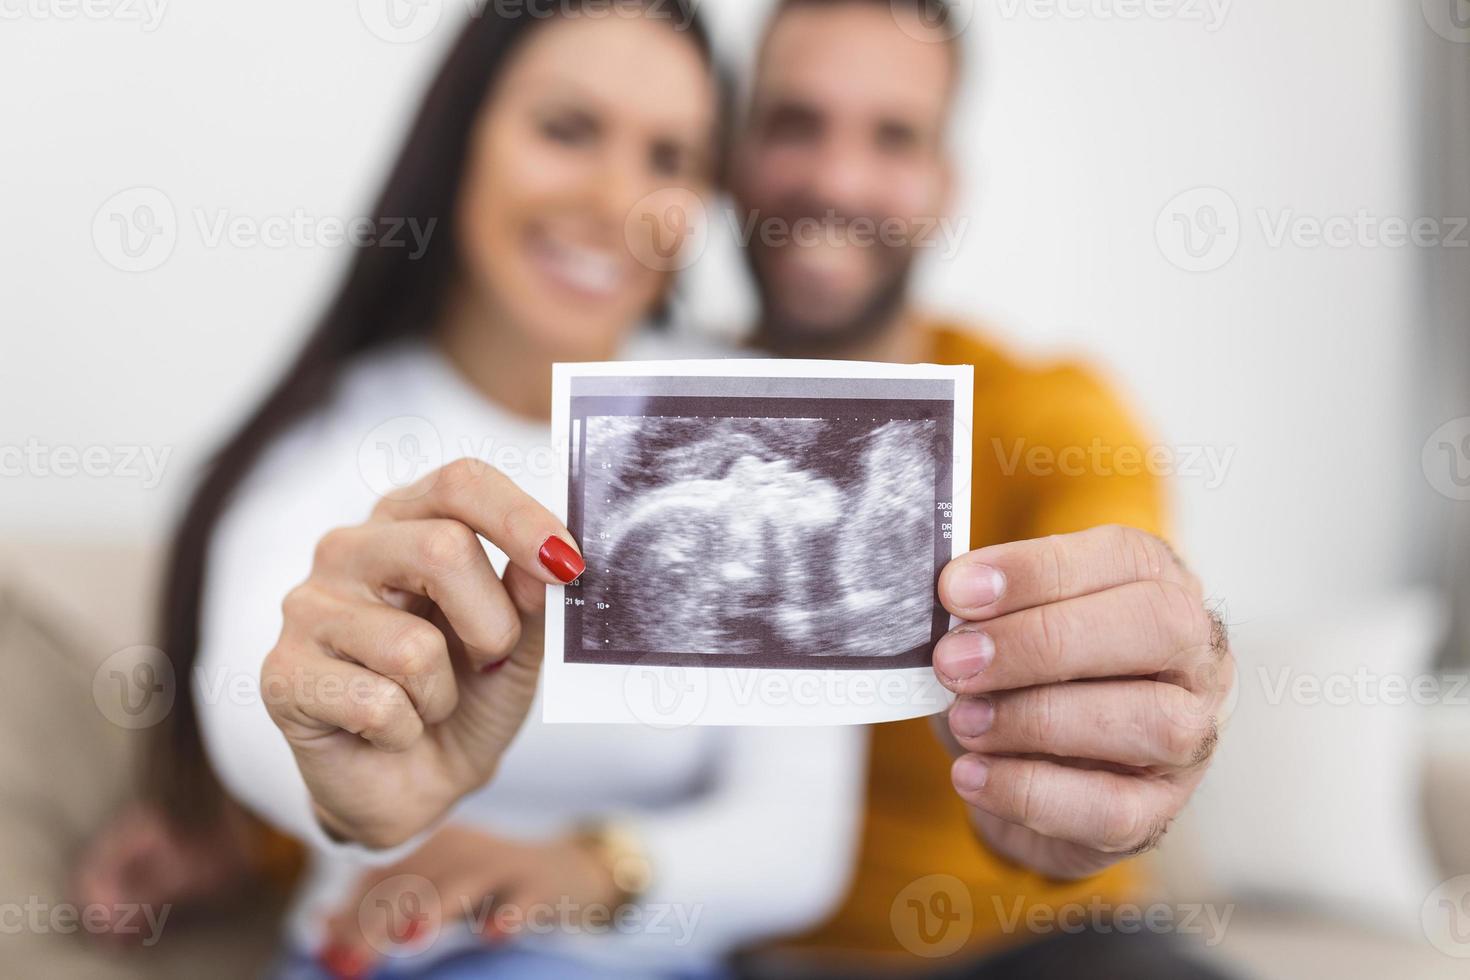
<point>464,875</point>
<point>405,666</point>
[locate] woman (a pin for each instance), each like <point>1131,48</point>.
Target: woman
<point>401,667</point>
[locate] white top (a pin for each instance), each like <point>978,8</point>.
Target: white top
<point>751,831</point>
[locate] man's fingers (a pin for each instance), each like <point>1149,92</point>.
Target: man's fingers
<point>441,560</point>
<point>1139,630</point>
<point>1017,575</point>
<point>1140,723</point>
<point>477,494</point>
<point>1106,811</point>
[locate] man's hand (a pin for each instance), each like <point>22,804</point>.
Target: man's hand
<point>1089,676</point>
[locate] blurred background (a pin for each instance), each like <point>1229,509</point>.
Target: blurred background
<point>1251,213</point>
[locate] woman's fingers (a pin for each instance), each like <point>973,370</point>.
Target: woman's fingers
<point>439,559</point>
<point>307,690</point>
<point>1138,723</point>
<point>476,494</point>
<point>1102,810</point>
<point>406,649</point>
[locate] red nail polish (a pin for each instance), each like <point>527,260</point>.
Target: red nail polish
<point>561,559</point>
<point>342,962</point>
<point>492,668</point>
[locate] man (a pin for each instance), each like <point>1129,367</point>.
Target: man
<point>1088,670</point>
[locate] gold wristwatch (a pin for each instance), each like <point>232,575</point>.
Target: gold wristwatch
<point>617,847</point>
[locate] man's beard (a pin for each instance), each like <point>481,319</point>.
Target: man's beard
<point>786,331</point>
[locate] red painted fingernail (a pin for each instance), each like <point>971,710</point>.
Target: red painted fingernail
<point>492,668</point>
<point>343,962</point>
<point>561,559</point>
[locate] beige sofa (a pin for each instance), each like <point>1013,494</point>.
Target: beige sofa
<point>64,768</point>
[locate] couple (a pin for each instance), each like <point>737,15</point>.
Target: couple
<point>1087,671</point>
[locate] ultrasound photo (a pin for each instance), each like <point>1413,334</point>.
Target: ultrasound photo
<point>758,532</point>
<point>751,536</point>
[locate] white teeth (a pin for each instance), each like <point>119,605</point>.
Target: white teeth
<point>588,269</point>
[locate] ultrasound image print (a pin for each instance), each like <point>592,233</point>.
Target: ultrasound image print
<point>758,541</point>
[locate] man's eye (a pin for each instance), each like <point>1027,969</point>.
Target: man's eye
<point>897,139</point>
<point>791,127</point>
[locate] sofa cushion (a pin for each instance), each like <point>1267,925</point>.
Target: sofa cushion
<point>64,769</point>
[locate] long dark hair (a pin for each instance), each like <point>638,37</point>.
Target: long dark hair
<point>388,293</point>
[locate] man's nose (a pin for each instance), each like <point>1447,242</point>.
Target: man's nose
<point>842,178</point>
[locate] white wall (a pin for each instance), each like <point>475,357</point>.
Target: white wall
<point>1297,360</point>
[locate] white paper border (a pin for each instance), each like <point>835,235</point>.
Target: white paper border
<point>662,696</point>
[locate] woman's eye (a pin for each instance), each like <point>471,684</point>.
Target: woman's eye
<point>572,130</point>
<point>669,160</point>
